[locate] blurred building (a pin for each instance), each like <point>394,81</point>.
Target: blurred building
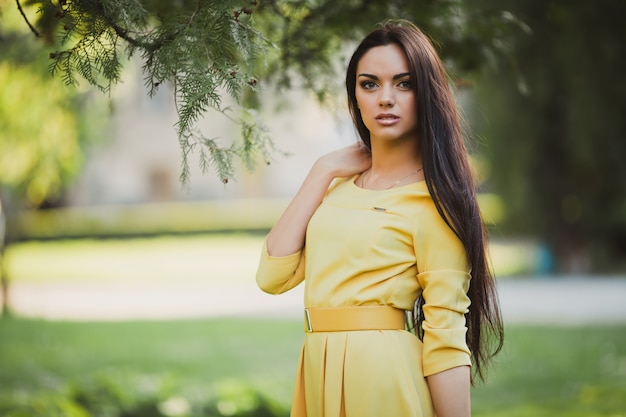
<point>140,162</point>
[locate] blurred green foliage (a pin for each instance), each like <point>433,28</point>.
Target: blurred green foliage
<point>151,219</point>
<point>42,127</point>
<point>174,217</point>
<point>39,144</point>
<point>111,394</point>
<point>553,122</point>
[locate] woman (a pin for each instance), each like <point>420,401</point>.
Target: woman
<point>373,227</point>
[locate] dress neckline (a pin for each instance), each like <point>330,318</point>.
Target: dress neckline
<point>400,187</point>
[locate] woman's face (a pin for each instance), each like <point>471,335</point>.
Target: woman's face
<point>384,95</point>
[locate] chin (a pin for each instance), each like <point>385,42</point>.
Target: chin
<point>394,137</point>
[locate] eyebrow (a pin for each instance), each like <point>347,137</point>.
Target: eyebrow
<point>395,77</point>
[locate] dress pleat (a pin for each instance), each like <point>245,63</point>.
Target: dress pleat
<point>298,408</point>
<point>361,373</point>
<point>333,383</point>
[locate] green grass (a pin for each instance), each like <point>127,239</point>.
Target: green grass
<point>174,258</point>
<point>193,358</point>
<point>543,371</point>
<point>224,257</point>
<point>42,352</point>
<point>557,371</point>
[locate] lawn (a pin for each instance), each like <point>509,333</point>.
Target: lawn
<point>192,359</point>
<point>188,258</point>
<point>543,371</point>
<point>245,367</point>
<point>159,259</point>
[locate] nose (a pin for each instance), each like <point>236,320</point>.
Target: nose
<point>386,97</point>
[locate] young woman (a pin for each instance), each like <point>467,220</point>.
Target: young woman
<point>374,227</point>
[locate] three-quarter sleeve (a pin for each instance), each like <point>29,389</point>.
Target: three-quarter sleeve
<point>443,274</point>
<point>278,274</point>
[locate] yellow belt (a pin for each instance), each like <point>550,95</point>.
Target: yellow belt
<point>341,319</point>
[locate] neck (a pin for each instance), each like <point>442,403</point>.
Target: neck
<point>394,159</point>
<point>392,166</point>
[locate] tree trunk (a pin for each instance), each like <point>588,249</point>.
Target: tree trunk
<point>5,239</point>
<point>4,286</point>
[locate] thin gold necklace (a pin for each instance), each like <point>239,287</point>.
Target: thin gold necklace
<point>395,183</point>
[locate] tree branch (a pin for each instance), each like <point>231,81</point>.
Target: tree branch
<point>32,29</point>
<point>124,34</point>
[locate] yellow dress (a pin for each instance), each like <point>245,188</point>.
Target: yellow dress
<point>375,247</point>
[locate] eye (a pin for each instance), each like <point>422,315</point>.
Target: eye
<point>368,85</point>
<point>405,84</point>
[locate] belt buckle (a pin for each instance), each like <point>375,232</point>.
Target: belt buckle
<point>307,318</point>
<point>409,323</point>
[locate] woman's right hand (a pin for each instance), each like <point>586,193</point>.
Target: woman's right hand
<point>288,234</point>
<point>347,161</point>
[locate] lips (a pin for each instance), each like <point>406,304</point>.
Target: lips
<point>387,118</point>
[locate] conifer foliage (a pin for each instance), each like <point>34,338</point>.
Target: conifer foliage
<point>205,49</point>
<point>210,49</point>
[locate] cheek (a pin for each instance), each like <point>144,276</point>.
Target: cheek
<point>359,100</point>
<point>363,103</point>
<point>411,104</point>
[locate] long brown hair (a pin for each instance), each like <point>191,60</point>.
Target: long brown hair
<point>447,173</point>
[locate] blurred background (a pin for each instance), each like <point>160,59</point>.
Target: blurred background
<point>136,187</point>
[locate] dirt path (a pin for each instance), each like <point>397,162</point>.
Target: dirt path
<point>569,300</point>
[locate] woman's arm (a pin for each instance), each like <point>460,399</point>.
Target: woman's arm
<point>450,392</point>
<point>287,235</point>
